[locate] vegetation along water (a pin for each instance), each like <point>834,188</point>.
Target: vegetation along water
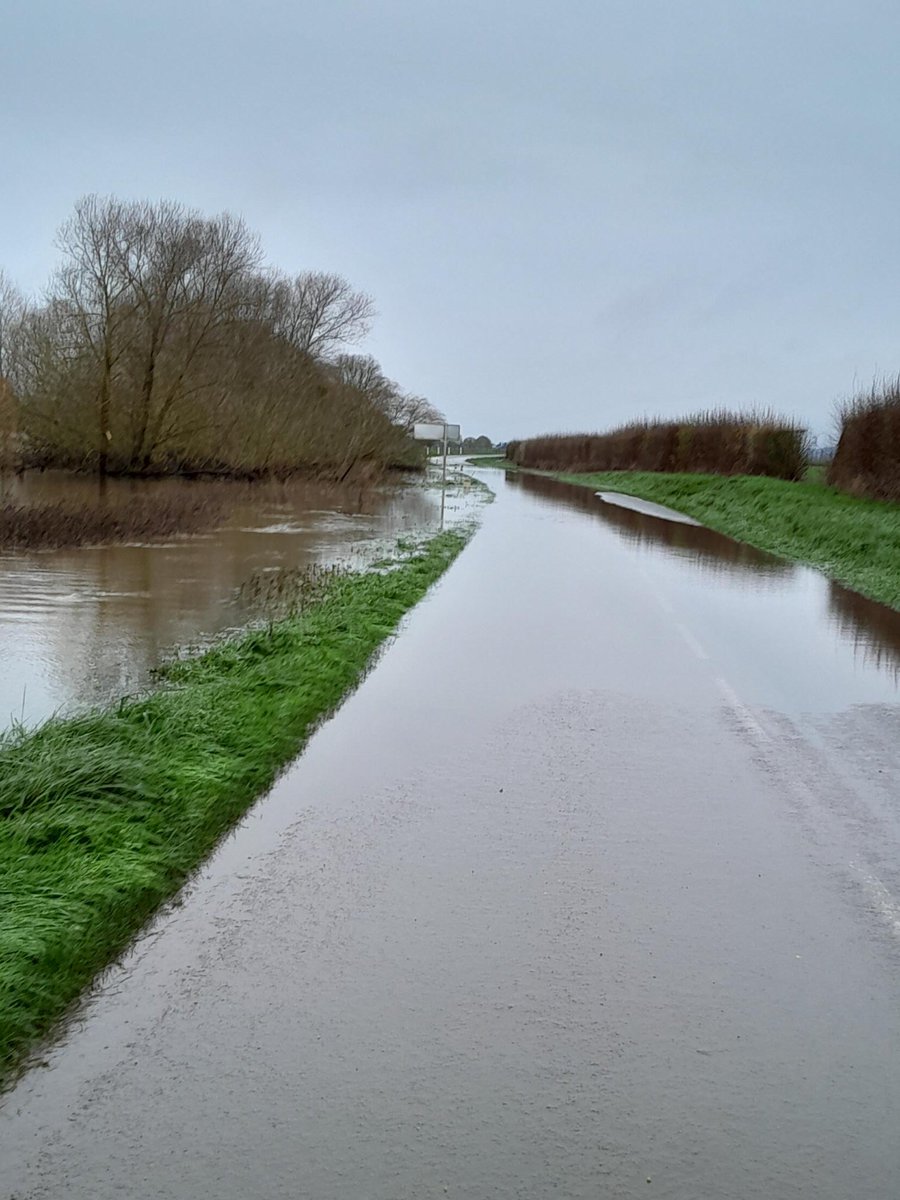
<point>852,539</point>
<point>749,475</point>
<point>105,814</point>
<point>166,345</point>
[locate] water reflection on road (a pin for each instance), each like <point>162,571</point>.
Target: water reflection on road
<point>835,646</point>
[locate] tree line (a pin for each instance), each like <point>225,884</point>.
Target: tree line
<point>165,343</point>
<point>717,442</point>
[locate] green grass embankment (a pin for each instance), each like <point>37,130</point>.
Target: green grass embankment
<point>855,541</point>
<point>103,816</point>
<point>491,460</point>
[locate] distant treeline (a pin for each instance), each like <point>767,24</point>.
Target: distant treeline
<point>867,460</point>
<point>718,442</point>
<point>165,344</point>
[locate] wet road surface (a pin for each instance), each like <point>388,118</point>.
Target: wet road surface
<point>591,890</point>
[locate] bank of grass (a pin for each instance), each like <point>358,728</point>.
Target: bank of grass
<point>855,541</point>
<point>103,816</point>
<point>491,460</point>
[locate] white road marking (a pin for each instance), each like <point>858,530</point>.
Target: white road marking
<point>691,641</point>
<point>884,903</point>
<point>740,708</point>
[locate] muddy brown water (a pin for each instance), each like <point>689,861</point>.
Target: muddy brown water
<point>84,625</point>
<point>592,889</point>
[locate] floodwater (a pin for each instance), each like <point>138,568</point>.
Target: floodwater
<point>88,624</point>
<point>592,889</point>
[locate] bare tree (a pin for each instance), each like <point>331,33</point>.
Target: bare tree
<point>194,279</point>
<point>320,313</point>
<point>145,291</point>
<point>164,344</point>
<point>362,371</point>
<point>411,409</point>
<point>96,296</point>
<point>12,312</point>
<point>401,408</point>
<point>12,309</point>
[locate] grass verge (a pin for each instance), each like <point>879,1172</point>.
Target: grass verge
<point>492,460</point>
<point>103,816</point>
<point>855,541</point>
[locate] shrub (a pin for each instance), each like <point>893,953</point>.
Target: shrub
<point>718,443</point>
<point>867,459</point>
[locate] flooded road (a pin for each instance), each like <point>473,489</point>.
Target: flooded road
<point>592,889</point>
<point>88,624</point>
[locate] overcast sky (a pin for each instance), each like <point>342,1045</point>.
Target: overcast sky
<point>568,214</point>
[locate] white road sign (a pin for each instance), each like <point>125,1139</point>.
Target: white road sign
<point>434,431</point>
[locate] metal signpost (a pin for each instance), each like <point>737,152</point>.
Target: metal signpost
<point>438,431</point>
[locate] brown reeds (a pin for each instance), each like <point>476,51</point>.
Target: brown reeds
<point>719,443</point>
<point>52,526</point>
<point>287,591</point>
<point>867,459</point>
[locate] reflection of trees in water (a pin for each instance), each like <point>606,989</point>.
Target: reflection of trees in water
<point>108,614</point>
<point>873,629</point>
<point>290,495</point>
<point>704,548</point>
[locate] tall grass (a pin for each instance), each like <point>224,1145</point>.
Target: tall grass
<point>867,460</point>
<point>718,442</point>
<point>103,816</point>
<point>104,519</point>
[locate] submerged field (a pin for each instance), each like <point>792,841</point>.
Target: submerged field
<point>105,815</point>
<point>853,540</point>
<point>86,624</point>
<point>51,526</point>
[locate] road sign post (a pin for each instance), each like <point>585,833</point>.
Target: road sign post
<point>438,431</point>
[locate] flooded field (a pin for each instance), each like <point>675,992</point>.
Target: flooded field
<point>87,624</point>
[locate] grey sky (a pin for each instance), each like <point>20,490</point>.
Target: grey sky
<point>568,214</point>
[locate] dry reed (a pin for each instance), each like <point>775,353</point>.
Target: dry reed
<point>716,443</point>
<point>52,526</point>
<point>867,460</point>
